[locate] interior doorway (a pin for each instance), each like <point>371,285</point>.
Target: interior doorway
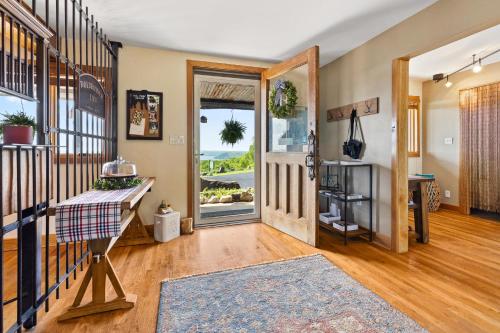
<point>226,151</point>
<point>437,96</point>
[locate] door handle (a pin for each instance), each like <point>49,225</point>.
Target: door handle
<point>311,155</point>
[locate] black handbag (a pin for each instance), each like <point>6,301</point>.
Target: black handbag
<point>353,147</point>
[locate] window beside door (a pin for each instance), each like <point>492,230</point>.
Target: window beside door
<point>413,126</point>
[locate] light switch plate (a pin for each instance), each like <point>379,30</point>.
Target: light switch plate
<point>176,139</point>
<point>448,141</point>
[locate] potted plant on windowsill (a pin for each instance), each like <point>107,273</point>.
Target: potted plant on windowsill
<point>17,128</point>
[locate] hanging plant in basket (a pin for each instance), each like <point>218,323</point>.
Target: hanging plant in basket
<point>233,131</point>
<point>282,99</point>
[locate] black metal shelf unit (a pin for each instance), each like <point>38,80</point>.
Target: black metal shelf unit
<point>340,191</point>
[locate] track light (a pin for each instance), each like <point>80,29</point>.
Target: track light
<point>476,68</point>
<point>448,83</point>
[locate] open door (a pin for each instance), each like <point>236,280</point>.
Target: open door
<point>290,149</point>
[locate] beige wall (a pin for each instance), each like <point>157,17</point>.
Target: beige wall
<point>165,71</point>
<point>366,72</point>
<point>362,73</point>
<point>441,120</point>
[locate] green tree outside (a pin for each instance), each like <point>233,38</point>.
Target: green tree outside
<point>243,163</point>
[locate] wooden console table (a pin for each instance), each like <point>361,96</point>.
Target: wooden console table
<point>418,185</point>
<point>133,233</point>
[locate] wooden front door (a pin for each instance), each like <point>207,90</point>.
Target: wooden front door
<point>290,157</point>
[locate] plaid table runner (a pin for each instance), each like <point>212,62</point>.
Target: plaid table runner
<point>90,215</point>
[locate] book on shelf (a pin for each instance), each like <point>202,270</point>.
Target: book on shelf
<point>340,225</point>
<point>328,218</point>
<point>337,162</point>
<point>351,196</point>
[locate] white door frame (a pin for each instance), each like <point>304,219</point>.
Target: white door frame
<point>196,151</point>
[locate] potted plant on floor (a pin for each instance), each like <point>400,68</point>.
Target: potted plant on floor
<point>17,128</point>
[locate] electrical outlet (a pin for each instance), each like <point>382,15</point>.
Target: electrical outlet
<point>447,194</point>
<point>448,141</point>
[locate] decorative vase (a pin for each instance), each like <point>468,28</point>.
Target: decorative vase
<point>162,208</point>
<point>19,134</point>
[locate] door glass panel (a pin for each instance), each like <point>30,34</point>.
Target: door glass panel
<point>227,149</point>
<point>227,171</point>
<point>290,134</point>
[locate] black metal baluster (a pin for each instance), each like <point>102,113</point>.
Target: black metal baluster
<point>19,240</point>
<point>47,225</point>
<point>99,125</point>
<point>114,96</point>
<point>4,53</point>
<point>19,66</point>
<point>102,147</point>
<point>33,240</point>
<point>92,42</point>
<point>58,116</point>
<point>87,70</point>
<point>32,58</point>
<point>110,107</point>
<point>75,132</point>
<point>96,73</point>
<point>48,155</point>
<point>92,55</point>
<point>86,114</point>
<point>97,77</point>
<point>47,17</point>
<point>25,83</point>
<point>66,255</point>
<point>104,82</point>
<point>11,58</point>
<point>81,118</point>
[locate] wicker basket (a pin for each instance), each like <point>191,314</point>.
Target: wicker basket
<point>187,226</point>
<point>433,196</point>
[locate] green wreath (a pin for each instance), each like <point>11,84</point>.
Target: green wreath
<point>283,99</point>
<point>108,184</point>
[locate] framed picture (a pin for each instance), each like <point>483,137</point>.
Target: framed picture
<point>144,115</point>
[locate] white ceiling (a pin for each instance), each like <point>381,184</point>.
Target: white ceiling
<point>452,57</point>
<point>258,29</point>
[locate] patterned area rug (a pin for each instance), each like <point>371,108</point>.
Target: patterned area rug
<point>306,294</point>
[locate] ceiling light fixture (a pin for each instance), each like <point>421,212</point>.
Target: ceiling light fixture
<point>448,82</point>
<point>475,64</point>
<point>476,68</point>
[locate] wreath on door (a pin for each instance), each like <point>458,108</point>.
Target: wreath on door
<point>282,99</point>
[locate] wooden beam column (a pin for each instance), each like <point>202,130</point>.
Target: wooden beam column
<point>399,176</point>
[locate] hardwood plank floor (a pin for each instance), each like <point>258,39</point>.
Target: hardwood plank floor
<point>451,284</point>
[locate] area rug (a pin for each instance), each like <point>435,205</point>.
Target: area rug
<point>307,294</point>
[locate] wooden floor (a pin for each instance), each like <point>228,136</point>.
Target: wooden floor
<point>449,285</point>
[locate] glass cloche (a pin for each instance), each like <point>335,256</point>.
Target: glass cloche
<point>118,169</point>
